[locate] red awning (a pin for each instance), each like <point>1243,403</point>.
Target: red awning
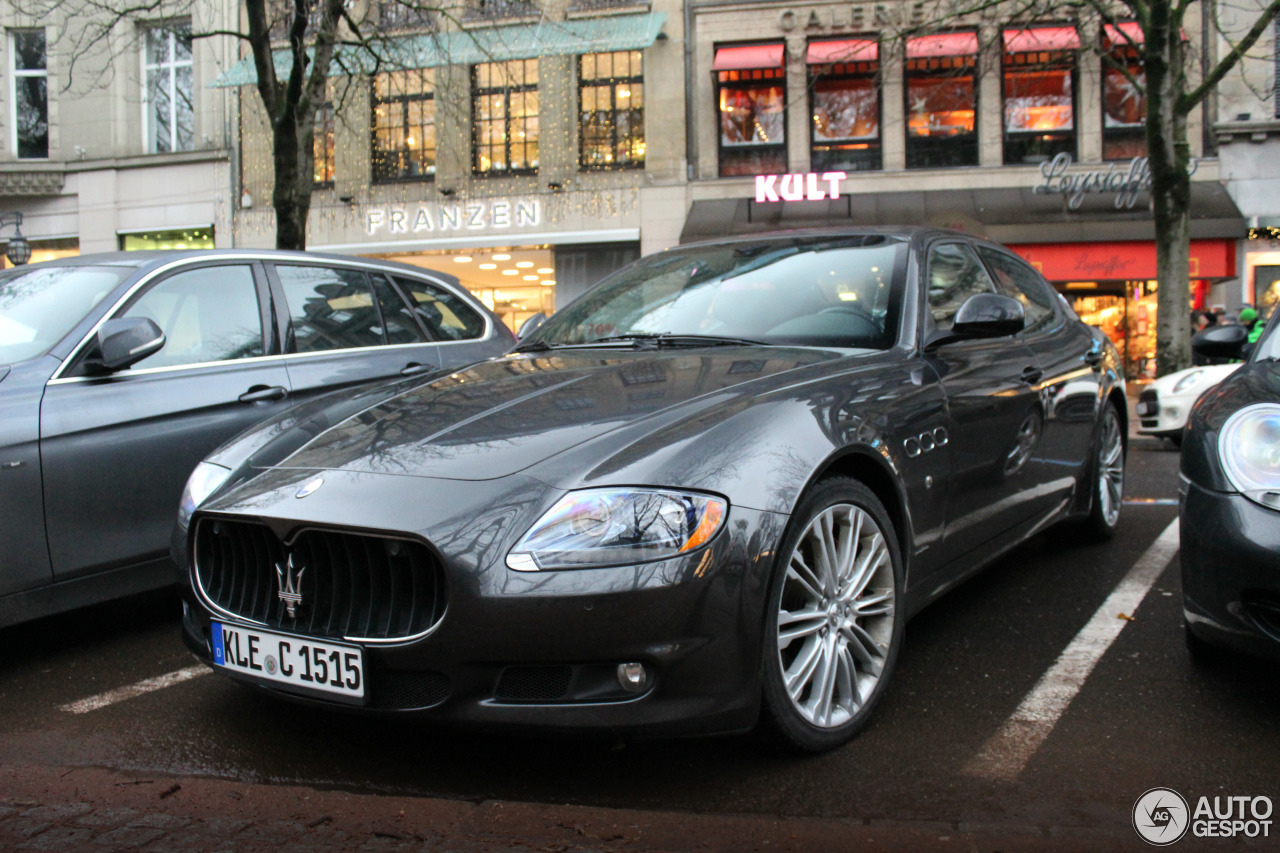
<point>844,50</point>
<point>1041,38</point>
<point>748,56</point>
<point>1122,34</point>
<point>943,44</point>
<point>1121,261</point>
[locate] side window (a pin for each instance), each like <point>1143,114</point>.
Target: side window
<point>207,314</point>
<point>329,309</point>
<point>397,318</point>
<point>1016,279</point>
<point>955,274</point>
<point>445,315</point>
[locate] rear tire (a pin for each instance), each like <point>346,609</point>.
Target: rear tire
<point>834,623</point>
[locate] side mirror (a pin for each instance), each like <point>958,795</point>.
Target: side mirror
<point>530,325</point>
<point>989,315</point>
<point>1221,342</point>
<point>983,315</point>
<point>125,341</point>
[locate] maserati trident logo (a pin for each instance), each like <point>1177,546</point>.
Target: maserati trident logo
<point>290,586</point>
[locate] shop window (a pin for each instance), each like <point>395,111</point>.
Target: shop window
<point>186,238</point>
<point>169,89</point>
<point>399,15</point>
<point>1124,95</point>
<point>844,86</point>
<point>504,105</point>
<point>942,101</point>
<point>322,146</point>
<point>404,126</point>
<point>30,112</point>
<point>44,250</point>
<point>1039,93</point>
<point>611,110</point>
<point>751,89</point>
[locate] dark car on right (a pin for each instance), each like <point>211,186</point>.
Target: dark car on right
<point>1230,499</point>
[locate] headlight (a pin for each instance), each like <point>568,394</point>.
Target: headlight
<point>611,527</point>
<point>1249,446</point>
<point>1187,381</point>
<point>202,483</point>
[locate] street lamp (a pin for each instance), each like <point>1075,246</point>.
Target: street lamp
<point>19,251</point>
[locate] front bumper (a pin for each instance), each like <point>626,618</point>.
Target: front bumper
<point>540,650</point>
<point>1163,415</point>
<point>1230,553</point>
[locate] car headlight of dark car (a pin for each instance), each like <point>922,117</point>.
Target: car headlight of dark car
<point>204,481</point>
<point>1249,446</point>
<point>618,526</point>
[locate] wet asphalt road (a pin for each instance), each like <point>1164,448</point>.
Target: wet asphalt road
<point>1147,716</point>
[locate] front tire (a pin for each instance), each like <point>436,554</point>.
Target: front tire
<point>834,623</point>
<point>1107,473</point>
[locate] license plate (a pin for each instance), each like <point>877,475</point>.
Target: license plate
<point>332,668</point>
<point>1143,408</point>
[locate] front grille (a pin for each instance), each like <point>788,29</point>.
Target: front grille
<point>346,584</point>
<point>533,683</point>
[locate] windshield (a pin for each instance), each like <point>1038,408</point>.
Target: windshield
<point>1268,346</point>
<point>830,291</point>
<point>39,305</point>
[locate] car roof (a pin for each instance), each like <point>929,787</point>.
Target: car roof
<point>148,259</point>
<point>910,233</point>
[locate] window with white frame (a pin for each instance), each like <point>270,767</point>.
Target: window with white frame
<point>29,75</point>
<point>168,88</point>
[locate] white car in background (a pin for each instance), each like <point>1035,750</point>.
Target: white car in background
<point>1163,405</point>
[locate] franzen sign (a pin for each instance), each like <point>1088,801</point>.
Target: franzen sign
<point>464,216</point>
<point>802,187</point>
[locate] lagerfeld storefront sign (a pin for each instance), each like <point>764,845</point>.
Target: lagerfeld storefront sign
<point>444,218</point>
<point>1124,180</point>
<point>811,186</point>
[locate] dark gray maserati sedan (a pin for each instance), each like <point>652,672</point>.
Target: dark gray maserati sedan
<point>707,493</point>
<point>119,373</point>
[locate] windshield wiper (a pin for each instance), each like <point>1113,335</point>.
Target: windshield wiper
<point>645,340</point>
<point>659,340</point>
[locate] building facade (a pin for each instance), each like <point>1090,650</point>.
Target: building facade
<point>532,146</point>
<point>119,145</point>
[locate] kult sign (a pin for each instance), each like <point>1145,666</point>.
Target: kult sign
<point>798,187</point>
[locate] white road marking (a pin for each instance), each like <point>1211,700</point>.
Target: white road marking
<point>120,694</point>
<point>1008,751</point>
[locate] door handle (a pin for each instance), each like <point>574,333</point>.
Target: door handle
<point>413,368</point>
<point>1031,375</point>
<point>264,394</point>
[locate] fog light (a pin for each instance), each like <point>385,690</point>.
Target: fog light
<point>633,677</point>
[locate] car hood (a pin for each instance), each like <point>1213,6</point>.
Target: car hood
<point>502,416</point>
<point>1210,374</point>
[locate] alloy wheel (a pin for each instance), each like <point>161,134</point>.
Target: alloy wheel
<point>836,615</point>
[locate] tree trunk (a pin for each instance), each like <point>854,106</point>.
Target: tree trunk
<point>1169,158</point>
<point>291,200</point>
